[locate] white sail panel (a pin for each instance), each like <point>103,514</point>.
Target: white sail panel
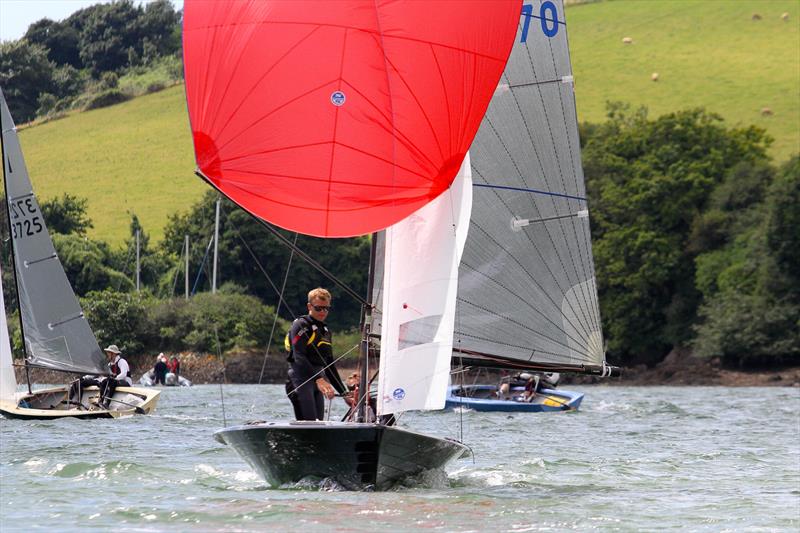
<point>420,283</point>
<point>8,382</point>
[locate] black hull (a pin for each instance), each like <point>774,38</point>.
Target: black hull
<point>357,456</point>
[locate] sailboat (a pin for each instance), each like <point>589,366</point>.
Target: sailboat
<point>56,334</point>
<point>338,119</point>
<point>527,294</point>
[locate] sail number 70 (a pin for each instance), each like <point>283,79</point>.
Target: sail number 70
<point>548,17</point>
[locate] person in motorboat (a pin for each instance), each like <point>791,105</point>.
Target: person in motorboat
<point>311,360</point>
<point>174,366</point>
<point>120,374</point>
<point>160,370</point>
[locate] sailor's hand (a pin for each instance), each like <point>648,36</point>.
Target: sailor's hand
<point>350,398</point>
<point>325,388</point>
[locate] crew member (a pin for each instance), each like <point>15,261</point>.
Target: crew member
<point>312,374</point>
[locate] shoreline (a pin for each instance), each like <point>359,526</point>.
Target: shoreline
<point>677,369</point>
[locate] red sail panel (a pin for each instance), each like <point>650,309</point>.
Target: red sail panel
<point>338,118</point>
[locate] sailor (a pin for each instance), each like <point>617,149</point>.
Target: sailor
<point>311,360</point>
<point>120,375</point>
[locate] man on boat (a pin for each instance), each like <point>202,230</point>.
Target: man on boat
<point>120,374</point>
<point>311,360</point>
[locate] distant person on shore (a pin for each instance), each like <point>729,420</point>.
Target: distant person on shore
<point>174,366</point>
<point>160,370</point>
<point>311,360</point>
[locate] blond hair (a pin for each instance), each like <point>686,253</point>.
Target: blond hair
<point>320,294</point>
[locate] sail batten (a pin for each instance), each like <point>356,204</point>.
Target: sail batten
<point>527,291</point>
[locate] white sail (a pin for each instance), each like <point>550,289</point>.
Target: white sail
<point>420,284</point>
<point>8,382</point>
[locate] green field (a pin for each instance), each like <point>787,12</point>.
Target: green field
<point>137,156</point>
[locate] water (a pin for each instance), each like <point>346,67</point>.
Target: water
<point>703,459</point>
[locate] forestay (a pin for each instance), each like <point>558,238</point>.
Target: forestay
<point>337,118</point>
<point>420,281</point>
<point>527,287</point>
<point>57,335</point>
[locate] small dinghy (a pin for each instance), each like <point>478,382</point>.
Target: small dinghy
<point>488,398</point>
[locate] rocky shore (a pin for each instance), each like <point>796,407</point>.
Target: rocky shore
<point>678,368</point>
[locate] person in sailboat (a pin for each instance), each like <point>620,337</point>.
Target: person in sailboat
<point>312,374</point>
<point>120,374</point>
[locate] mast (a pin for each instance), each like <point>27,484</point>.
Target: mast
<point>216,249</point>
<point>362,401</point>
<point>14,260</point>
<point>186,269</point>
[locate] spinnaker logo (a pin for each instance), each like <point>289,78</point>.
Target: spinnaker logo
<point>337,98</point>
<point>398,394</point>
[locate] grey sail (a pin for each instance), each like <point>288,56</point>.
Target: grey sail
<point>57,335</point>
<point>526,281</point>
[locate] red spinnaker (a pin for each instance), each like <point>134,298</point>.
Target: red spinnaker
<point>337,118</point>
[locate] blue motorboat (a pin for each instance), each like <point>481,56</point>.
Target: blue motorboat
<point>489,398</point>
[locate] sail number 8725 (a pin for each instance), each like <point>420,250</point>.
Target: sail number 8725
<point>25,219</point>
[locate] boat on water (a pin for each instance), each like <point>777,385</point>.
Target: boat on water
<point>323,119</point>
<point>489,266</point>
<point>148,379</point>
<point>56,334</point>
<point>490,398</point>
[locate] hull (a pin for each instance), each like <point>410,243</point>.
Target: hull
<point>52,403</point>
<point>484,398</point>
<point>357,456</point>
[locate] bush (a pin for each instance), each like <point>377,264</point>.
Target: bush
<point>105,99</point>
<point>118,318</point>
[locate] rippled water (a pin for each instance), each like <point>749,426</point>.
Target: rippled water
<point>708,459</point>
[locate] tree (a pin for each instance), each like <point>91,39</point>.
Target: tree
<point>25,72</point>
<point>108,32</point>
<point>750,314</point>
<point>60,39</point>
<point>246,247</point>
<point>648,181</point>
<point>66,215</point>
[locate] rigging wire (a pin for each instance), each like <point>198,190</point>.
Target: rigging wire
<point>275,320</point>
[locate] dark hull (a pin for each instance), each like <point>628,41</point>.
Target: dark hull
<point>357,456</point>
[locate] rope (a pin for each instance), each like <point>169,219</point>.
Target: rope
<point>224,378</point>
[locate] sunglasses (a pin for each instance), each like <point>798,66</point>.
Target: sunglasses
<point>320,308</point>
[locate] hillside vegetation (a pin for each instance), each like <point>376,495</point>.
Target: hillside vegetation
<point>136,157</point>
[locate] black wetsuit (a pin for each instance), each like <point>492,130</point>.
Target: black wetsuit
<point>310,353</point>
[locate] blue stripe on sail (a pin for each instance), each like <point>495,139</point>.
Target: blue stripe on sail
<point>536,191</point>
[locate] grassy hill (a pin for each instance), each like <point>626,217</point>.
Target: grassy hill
<point>707,53</point>
<point>137,156</point>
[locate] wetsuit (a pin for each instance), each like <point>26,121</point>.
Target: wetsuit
<point>310,352</point>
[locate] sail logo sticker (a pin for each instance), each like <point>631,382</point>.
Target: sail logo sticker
<point>398,394</point>
<point>338,98</point>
